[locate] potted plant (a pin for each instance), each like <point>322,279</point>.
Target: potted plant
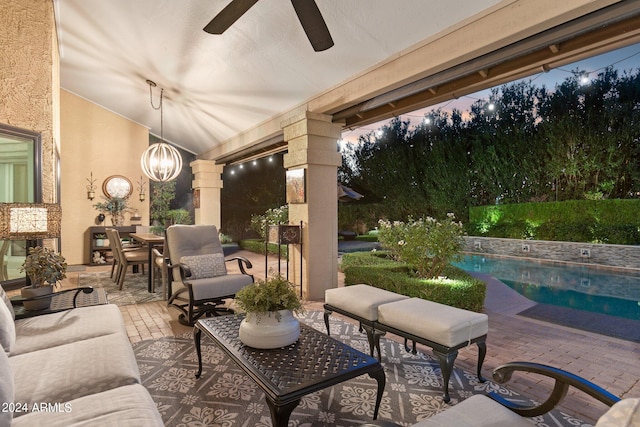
<point>116,206</point>
<point>44,268</point>
<point>100,239</point>
<point>269,306</point>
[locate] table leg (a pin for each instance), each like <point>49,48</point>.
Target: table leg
<point>280,413</point>
<point>379,376</point>
<point>197,338</point>
<point>149,275</point>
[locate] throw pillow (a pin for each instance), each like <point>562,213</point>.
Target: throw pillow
<point>625,413</point>
<point>7,329</point>
<point>5,298</point>
<point>205,266</point>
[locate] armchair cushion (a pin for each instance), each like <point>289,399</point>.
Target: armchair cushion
<point>216,287</point>
<point>205,266</point>
<point>7,328</point>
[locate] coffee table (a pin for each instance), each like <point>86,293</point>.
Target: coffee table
<point>316,361</point>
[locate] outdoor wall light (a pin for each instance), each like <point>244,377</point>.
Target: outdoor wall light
<point>141,191</point>
<point>91,188</point>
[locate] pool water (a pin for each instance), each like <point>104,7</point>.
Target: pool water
<point>612,292</point>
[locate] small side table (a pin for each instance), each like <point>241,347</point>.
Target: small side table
<point>61,301</point>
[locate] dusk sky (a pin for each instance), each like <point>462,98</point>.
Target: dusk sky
<point>622,59</point>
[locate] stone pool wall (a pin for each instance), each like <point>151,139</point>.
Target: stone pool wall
<point>615,256</point>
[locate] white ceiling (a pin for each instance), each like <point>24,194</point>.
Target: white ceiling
<point>217,86</point>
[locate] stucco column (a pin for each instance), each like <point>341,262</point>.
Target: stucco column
<point>206,184</point>
<point>312,145</point>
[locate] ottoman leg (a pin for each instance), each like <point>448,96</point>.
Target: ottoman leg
<point>482,352</point>
<point>327,313</point>
<point>446,361</point>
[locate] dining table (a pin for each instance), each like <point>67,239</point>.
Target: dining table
<point>151,241</point>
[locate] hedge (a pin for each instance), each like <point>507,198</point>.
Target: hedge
<point>456,288</point>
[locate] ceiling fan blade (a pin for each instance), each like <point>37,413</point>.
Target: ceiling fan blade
<point>313,24</point>
<point>228,16</point>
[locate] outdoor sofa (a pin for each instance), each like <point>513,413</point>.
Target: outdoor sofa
<point>70,368</point>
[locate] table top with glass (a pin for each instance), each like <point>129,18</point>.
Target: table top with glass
<point>314,362</point>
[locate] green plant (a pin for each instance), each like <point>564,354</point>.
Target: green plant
<point>455,287</point>
<point>43,266</point>
<point>273,294</point>
<point>273,216</point>
<point>114,205</point>
<point>428,245</point>
<point>178,216</point>
<point>162,193</point>
<point>257,246</point>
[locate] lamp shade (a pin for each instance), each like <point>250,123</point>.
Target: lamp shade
<point>161,162</point>
<point>29,221</point>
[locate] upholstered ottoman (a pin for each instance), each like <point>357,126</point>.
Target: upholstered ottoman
<point>444,328</point>
<point>359,302</point>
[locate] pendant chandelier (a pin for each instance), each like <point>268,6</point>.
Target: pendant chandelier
<point>161,161</point>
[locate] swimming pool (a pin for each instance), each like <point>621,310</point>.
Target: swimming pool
<point>584,288</point>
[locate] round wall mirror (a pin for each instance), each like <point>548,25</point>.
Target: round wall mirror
<point>117,186</point>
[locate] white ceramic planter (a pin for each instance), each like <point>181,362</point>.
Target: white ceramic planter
<point>264,330</point>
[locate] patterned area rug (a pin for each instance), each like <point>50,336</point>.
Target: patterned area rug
<point>134,290</point>
<point>224,396</point>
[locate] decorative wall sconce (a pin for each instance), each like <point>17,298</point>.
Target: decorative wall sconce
<point>91,188</point>
<point>141,192</point>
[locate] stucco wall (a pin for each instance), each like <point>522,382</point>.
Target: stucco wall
<point>95,140</point>
<point>618,256</point>
<point>29,76</point>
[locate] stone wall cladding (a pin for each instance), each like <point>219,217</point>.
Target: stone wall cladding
<point>600,255</point>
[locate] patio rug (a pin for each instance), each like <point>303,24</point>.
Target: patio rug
<point>134,290</point>
<point>224,396</point>
<point>604,324</point>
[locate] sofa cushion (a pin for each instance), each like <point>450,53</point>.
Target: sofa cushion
<point>205,266</point>
<point>625,413</point>
<point>7,328</point>
<point>69,371</point>
<point>126,406</point>
<point>50,330</point>
<point>4,297</point>
<point>6,389</point>
<point>476,411</point>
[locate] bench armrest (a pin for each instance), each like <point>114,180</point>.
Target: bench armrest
<point>563,380</point>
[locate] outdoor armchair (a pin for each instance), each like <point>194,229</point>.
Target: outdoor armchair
<point>496,411</point>
<point>199,282</point>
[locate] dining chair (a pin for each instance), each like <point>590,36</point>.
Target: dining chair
<point>125,258</point>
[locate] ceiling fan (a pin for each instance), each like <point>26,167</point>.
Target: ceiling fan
<point>308,14</point>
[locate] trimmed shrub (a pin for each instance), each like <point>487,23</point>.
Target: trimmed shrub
<point>455,288</point>
<point>257,246</point>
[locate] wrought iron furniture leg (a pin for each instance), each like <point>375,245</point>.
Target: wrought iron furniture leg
<point>482,352</point>
<point>446,361</point>
<point>280,413</point>
<point>380,377</point>
<point>197,339</point>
